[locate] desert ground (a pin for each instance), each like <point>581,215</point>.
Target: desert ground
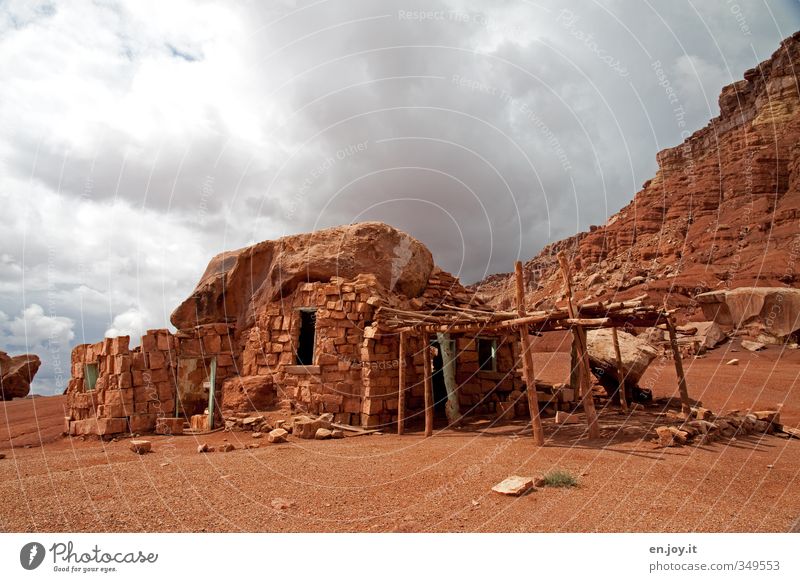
<point>390,483</point>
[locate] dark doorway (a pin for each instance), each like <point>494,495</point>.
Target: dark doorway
<point>439,387</point>
<point>305,343</point>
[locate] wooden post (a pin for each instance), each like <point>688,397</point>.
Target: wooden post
<point>426,354</point>
<point>623,399</point>
<point>686,405</point>
<point>401,389</point>
<point>583,356</point>
<point>527,362</point>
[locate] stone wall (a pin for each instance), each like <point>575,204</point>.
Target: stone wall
<point>136,386</point>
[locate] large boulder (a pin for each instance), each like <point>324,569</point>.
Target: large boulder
<point>768,311</point>
<point>236,282</point>
<point>16,374</point>
<point>636,356</point>
<point>248,393</point>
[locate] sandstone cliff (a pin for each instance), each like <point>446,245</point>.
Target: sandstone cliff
<point>722,211</point>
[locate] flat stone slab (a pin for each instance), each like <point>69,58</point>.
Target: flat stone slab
<point>514,485</point>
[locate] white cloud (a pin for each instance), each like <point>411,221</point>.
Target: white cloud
<point>34,329</point>
<point>131,323</point>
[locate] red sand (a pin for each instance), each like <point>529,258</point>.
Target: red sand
<point>391,483</point>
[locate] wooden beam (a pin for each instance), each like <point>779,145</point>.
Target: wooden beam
<point>527,361</point>
<point>623,399</point>
<point>401,389</point>
<point>428,366</point>
<point>583,356</point>
<point>686,405</point>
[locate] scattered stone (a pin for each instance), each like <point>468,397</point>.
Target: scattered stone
<point>566,418</point>
<point>251,420</point>
<point>514,485</point>
<point>733,362</point>
<point>140,447</point>
<point>277,435</point>
<point>666,437</point>
<point>281,504</point>
<point>701,413</point>
<point>326,417</point>
<point>306,428</point>
<point>752,346</point>
<point>202,448</point>
<point>257,435</point>
<point>2,455</point>
<point>539,482</point>
<point>337,433</point>
<point>322,434</point>
<point>251,446</point>
<point>227,448</point>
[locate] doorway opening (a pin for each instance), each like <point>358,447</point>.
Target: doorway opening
<point>305,342</point>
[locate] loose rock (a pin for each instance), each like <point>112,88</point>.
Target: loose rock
<point>140,447</point>
<point>514,485</point>
<point>277,435</point>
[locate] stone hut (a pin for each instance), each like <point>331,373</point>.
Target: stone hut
<point>294,322</point>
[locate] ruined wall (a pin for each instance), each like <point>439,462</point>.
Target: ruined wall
<point>137,386</point>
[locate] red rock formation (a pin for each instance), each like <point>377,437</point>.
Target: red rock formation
<point>723,210</point>
<point>235,281</point>
<point>16,374</point>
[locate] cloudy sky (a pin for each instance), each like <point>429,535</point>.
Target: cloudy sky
<point>141,138</point>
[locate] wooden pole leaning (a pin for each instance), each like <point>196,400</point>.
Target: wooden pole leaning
<point>583,357</point>
<point>527,362</point>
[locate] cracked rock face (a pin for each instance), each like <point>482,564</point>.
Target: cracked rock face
<point>722,210</point>
<point>16,374</point>
<point>235,282</point>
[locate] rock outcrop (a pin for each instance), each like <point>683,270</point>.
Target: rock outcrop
<point>16,374</point>
<point>767,313</point>
<point>723,210</point>
<point>236,281</point>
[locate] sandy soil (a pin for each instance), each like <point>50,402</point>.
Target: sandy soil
<point>391,483</point>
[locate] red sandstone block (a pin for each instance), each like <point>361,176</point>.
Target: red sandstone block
<point>119,345</point>
<point>163,341</point>
<point>145,393</point>
<point>168,425</point>
<point>149,342</point>
<point>156,360</point>
<point>83,427</point>
<point>112,425</point>
<point>142,422</point>
<point>225,360</point>
<point>212,344</point>
<point>137,361</point>
<point>165,391</point>
<point>119,396</point>
<point>190,347</point>
<point>124,380</point>
<point>160,375</point>
<point>140,407</point>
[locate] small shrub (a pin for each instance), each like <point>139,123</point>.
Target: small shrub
<point>560,478</point>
